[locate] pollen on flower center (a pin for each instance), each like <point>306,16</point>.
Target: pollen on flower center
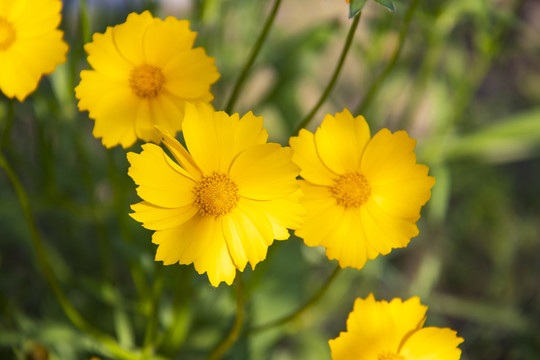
<point>7,34</point>
<point>351,190</point>
<point>146,80</point>
<point>216,195</point>
<point>390,356</point>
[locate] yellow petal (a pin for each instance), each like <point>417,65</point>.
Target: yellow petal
<point>370,332</point>
<point>128,37</point>
<point>199,241</point>
<point>159,183</point>
<point>384,152</point>
<point>104,57</point>
<point>306,157</point>
<point>209,137</point>
<point>189,75</point>
<point>155,217</point>
<point>341,140</point>
<point>264,172</point>
<point>284,213</point>
<point>164,39</point>
<point>347,243</point>
<point>34,19</point>
<point>248,233</point>
<point>432,343</point>
<point>181,155</point>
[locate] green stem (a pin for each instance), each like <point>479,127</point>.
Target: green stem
<point>335,76</point>
<point>151,324</point>
<point>9,123</point>
<point>43,260</point>
<point>374,88</point>
<point>254,52</point>
<point>222,348</point>
<point>120,204</point>
<point>316,297</point>
<point>85,21</point>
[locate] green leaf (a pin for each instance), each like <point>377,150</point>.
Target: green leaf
<point>355,6</point>
<point>389,4</point>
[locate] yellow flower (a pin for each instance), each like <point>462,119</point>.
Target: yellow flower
<point>144,72</point>
<point>362,195</point>
<point>380,330</point>
<point>30,44</point>
<point>221,204</point>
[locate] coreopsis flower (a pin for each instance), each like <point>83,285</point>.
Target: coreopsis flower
<point>30,44</point>
<point>381,330</point>
<point>362,195</point>
<point>144,71</point>
<point>220,205</point>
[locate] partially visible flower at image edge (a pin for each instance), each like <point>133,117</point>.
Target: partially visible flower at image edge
<point>381,330</point>
<point>224,200</point>
<point>362,195</point>
<point>31,44</point>
<point>144,71</point>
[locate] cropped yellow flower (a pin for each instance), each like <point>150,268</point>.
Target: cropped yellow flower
<point>381,330</point>
<point>220,205</point>
<point>30,44</point>
<point>362,195</point>
<point>144,71</point>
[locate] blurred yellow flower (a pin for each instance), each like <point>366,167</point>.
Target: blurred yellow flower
<point>381,330</point>
<point>144,71</point>
<point>363,195</point>
<point>30,44</point>
<point>221,204</point>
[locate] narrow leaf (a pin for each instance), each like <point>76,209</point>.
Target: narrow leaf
<point>389,4</point>
<point>355,6</point>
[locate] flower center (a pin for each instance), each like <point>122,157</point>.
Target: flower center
<point>216,195</point>
<point>146,80</point>
<point>7,34</point>
<point>390,356</point>
<point>351,190</point>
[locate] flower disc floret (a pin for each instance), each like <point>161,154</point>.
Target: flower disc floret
<point>146,80</point>
<point>351,190</point>
<point>216,195</point>
<point>7,34</point>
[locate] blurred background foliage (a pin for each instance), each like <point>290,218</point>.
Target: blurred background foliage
<point>465,82</point>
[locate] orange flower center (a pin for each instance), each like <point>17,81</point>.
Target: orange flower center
<point>351,190</point>
<point>216,195</point>
<point>146,80</point>
<point>7,34</point>
<point>390,356</point>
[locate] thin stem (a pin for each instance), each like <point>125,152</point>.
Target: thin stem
<point>151,324</point>
<point>316,297</point>
<point>43,260</point>
<point>254,52</point>
<point>335,76</point>
<point>9,123</point>
<point>222,348</point>
<point>85,21</point>
<point>368,99</point>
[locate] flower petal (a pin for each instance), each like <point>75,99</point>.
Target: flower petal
<point>432,343</point>
<point>209,137</point>
<point>128,37</point>
<point>199,241</point>
<point>306,157</point>
<point>155,217</point>
<point>160,183</point>
<point>264,172</point>
<point>341,140</point>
